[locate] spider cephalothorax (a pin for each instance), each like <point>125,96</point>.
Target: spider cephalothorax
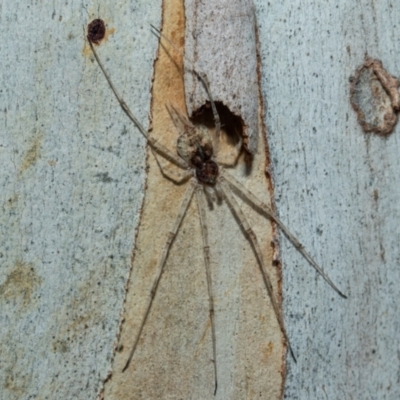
<point>206,168</point>
<point>195,146</point>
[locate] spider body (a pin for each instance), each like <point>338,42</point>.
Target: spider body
<point>206,169</point>
<point>196,155</point>
<point>195,146</point>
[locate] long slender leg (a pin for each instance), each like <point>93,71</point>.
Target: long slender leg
<point>160,148</point>
<point>201,203</point>
<point>180,120</point>
<point>166,153</point>
<point>230,160</point>
<point>177,177</point>
<point>161,264</point>
<point>262,206</point>
<point>203,78</point>
<point>228,195</point>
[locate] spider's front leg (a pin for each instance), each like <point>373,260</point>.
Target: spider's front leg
<point>231,158</point>
<point>153,142</point>
<point>204,80</point>
<point>263,207</point>
<point>175,176</point>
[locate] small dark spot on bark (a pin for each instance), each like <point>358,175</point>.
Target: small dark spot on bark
<point>104,177</point>
<point>96,31</point>
<point>119,348</point>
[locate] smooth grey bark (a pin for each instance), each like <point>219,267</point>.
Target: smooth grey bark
<point>72,181</point>
<point>338,189</point>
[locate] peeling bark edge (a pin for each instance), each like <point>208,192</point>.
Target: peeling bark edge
<point>269,176</point>
<point>117,346</point>
<point>236,22</point>
<point>372,120</point>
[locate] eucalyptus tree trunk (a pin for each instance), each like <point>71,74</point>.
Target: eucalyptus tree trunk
<point>85,211</point>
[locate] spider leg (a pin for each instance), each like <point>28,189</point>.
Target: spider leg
<point>230,160</point>
<point>166,153</point>
<point>177,177</point>
<point>180,120</point>
<point>162,262</point>
<point>228,195</point>
<point>264,207</point>
<point>160,148</point>
<point>203,78</point>
<point>201,203</point>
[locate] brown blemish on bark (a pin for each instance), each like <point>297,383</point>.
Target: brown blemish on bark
<point>20,285</point>
<point>16,378</point>
<point>75,320</point>
<point>375,98</point>
<point>376,195</point>
<point>96,30</point>
<point>267,350</point>
<point>32,155</point>
<point>87,51</point>
<point>60,346</point>
<point>14,384</point>
<point>11,202</point>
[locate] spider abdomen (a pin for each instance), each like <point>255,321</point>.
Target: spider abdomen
<point>207,172</point>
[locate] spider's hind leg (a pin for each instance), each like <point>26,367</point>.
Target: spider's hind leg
<point>246,194</point>
<point>230,159</point>
<point>228,195</point>
<point>162,262</point>
<point>206,248</point>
